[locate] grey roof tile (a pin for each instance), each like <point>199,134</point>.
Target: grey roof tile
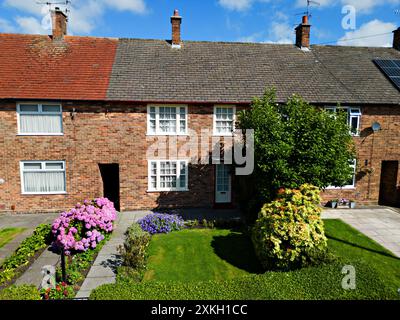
<point>150,70</point>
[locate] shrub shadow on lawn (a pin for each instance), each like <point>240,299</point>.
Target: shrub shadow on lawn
<point>237,249</point>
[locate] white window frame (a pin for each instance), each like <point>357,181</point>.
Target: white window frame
<point>221,134</point>
<point>43,164</point>
<point>40,111</point>
<point>158,132</point>
<point>350,186</point>
<point>178,173</point>
<point>350,115</point>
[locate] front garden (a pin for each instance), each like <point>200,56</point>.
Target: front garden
<point>218,261</point>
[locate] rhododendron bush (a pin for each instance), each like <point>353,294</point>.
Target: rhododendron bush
<point>84,226</point>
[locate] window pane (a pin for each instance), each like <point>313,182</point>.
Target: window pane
<point>40,123</point>
<point>32,166</point>
<point>354,124</point>
<point>29,108</point>
<point>51,108</point>
<point>54,165</point>
<point>44,182</point>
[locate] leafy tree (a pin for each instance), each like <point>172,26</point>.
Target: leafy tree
<point>295,143</point>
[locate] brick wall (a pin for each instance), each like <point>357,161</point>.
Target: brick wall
<point>99,133</point>
<point>116,133</point>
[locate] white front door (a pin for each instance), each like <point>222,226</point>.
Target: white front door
<point>222,184</point>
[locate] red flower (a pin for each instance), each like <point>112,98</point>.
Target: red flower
<point>58,288</point>
<point>63,284</point>
<point>46,296</point>
<point>65,293</point>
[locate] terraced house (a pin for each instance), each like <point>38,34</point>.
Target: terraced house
<point>79,114</point>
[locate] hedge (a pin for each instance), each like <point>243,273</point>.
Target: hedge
<point>23,292</point>
<point>313,283</point>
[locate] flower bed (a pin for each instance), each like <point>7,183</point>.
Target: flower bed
<point>161,223</point>
<point>23,257</point>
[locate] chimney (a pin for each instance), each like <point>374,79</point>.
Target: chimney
<point>303,34</point>
<point>59,21</point>
<point>396,39</point>
<point>176,21</point>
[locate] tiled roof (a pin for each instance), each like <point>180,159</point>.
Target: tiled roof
<point>35,67</point>
<point>89,68</point>
<point>150,70</point>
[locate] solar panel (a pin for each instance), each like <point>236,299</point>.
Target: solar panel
<point>391,68</point>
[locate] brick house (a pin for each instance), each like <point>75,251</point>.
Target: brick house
<point>79,114</point>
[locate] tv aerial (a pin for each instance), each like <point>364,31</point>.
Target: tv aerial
<point>310,3</point>
<point>50,4</point>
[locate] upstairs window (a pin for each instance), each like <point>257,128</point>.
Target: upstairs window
<point>39,119</point>
<point>167,120</point>
<point>224,120</point>
<point>43,177</point>
<point>353,117</point>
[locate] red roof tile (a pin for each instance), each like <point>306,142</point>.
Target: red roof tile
<point>35,67</point>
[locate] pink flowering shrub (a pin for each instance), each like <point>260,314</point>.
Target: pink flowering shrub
<point>84,226</point>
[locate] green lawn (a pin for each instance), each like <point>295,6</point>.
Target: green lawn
<point>200,254</point>
<point>351,244</point>
<point>7,234</point>
<point>221,264</point>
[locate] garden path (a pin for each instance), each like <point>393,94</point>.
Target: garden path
<point>27,221</point>
<point>380,224</point>
<point>104,268</point>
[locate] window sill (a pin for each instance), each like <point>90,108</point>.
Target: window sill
<point>39,134</point>
<point>341,188</point>
<point>171,190</point>
<point>167,134</point>
<point>42,194</point>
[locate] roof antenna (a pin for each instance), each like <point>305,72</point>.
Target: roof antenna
<point>50,4</point>
<point>310,3</point>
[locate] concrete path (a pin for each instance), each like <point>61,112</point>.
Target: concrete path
<point>381,224</point>
<point>104,268</point>
<point>27,221</point>
<point>33,274</point>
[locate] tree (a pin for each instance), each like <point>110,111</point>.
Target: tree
<point>294,144</point>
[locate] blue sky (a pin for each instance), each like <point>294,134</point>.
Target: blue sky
<point>212,20</point>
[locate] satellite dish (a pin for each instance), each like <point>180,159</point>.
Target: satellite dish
<point>376,126</point>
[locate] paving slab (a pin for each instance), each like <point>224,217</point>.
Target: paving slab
<point>104,267</point>
<point>379,224</point>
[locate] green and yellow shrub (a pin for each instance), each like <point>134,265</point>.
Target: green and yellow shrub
<point>289,232</point>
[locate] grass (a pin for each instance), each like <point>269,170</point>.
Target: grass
<point>200,254</point>
<point>350,244</point>
<point>7,234</point>
<point>221,264</point>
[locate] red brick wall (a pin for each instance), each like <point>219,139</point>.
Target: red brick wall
<point>99,133</point>
<point>374,147</point>
<point>105,133</point>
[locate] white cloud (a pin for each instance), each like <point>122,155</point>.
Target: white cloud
<point>363,35</point>
<point>280,32</point>
<point>135,6</point>
<point>238,5</point>
<point>6,26</point>
<point>83,17</point>
<point>30,25</point>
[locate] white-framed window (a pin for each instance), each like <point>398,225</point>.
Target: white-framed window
<point>351,184</point>
<point>167,120</point>
<point>39,119</point>
<point>224,120</point>
<point>353,117</point>
<point>168,175</point>
<point>43,177</point>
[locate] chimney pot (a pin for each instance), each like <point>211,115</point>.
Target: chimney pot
<point>396,39</point>
<point>176,21</point>
<point>303,34</point>
<point>59,23</point>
